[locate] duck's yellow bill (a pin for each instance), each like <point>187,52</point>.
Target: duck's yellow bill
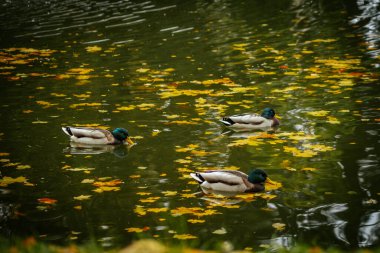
<point>269,181</point>
<point>129,141</point>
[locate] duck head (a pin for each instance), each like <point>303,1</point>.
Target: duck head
<point>268,113</point>
<point>122,134</point>
<point>257,176</point>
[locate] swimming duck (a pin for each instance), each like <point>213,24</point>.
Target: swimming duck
<point>231,180</point>
<point>95,136</point>
<point>249,121</point>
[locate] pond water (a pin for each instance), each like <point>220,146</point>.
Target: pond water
<point>168,71</point>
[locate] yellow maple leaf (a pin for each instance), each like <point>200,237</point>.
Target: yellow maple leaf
<point>195,221</point>
<point>140,210</point>
<point>332,120</point>
<point>45,104</point>
<point>299,153</point>
<point>185,236</point>
<point>5,181</point>
<point>87,181</point>
<point>318,147</point>
<point>108,183</point>
<point>320,113</point>
<point>187,195</point>
<point>23,167</point>
<point>80,71</point>
<point>74,106</point>
<point>106,189</point>
<point>126,108</point>
<point>149,200</point>
<point>145,106</point>
<point>271,185</point>
<point>308,169</point>
<point>58,94</point>
<point>137,230</point>
<point>82,197</point>
<point>169,193</point>
<point>81,95</point>
<point>142,70</point>
<point>157,210</point>
<point>143,193</point>
<point>279,226</point>
<point>93,49</point>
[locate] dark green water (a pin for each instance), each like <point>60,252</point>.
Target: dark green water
<point>167,71</point>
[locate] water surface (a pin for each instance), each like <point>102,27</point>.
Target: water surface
<point>167,71</point>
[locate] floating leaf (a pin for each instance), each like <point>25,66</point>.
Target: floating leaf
<point>321,113</point>
<point>5,181</point>
<point>126,108</point>
<point>82,197</point>
<point>87,181</point>
<point>137,230</point>
<point>45,104</point>
<point>23,167</point>
<point>185,236</point>
<point>93,49</point>
<point>195,221</point>
<point>149,200</point>
<point>108,183</point>
<point>48,201</point>
<point>140,210</point>
<point>39,122</point>
<point>169,193</point>
<point>106,189</point>
<point>220,231</point>
<point>80,71</point>
<point>279,226</point>
<point>308,169</point>
<point>157,210</point>
<point>74,106</point>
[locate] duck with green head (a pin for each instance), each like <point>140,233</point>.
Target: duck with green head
<point>96,136</point>
<point>232,180</point>
<point>251,121</point>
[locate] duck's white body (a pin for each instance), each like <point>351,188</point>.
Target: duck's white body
<point>249,121</point>
<point>225,181</point>
<point>90,136</point>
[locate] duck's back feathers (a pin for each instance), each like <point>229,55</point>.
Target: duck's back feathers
<point>222,180</point>
<point>246,118</point>
<point>230,177</point>
<point>226,181</point>
<point>249,121</point>
<point>87,132</point>
<point>89,135</point>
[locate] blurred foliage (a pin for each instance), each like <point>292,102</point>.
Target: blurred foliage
<point>31,245</point>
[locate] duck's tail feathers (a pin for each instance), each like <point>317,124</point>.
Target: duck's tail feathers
<point>227,121</point>
<point>67,131</point>
<point>197,176</point>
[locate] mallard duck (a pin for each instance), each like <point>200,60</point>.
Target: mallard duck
<point>249,121</point>
<point>95,136</point>
<point>231,180</point>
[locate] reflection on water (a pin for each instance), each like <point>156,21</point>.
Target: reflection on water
<point>168,71</point>
<point>368,20</point>
<point>85,149</point>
